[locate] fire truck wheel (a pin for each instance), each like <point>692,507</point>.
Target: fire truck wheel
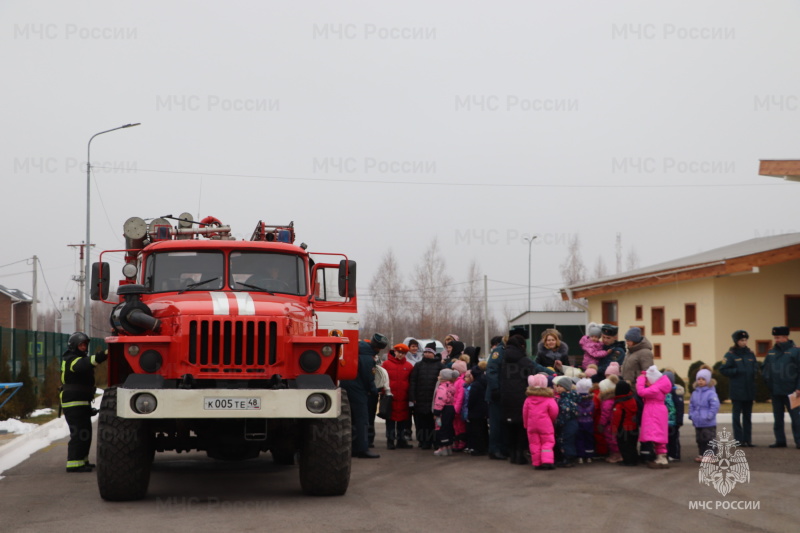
<point>124,453</point>
<point>325,454</point>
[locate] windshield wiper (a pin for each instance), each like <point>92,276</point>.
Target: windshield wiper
<point>197,284</point>
<point>255,287</point>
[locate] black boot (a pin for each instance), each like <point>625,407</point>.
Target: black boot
<point>390,444</point>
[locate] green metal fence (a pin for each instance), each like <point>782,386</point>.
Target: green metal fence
<point>39,347</point>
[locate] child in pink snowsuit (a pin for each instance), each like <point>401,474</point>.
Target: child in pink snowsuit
<point>459,425</point>
<point>607,394</point>
<point>539,413</point>
<point>652,387</point>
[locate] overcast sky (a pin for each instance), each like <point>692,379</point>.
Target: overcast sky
<point>377,125</point>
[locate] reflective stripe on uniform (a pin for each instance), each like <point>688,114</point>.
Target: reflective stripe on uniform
<point>92,360</point>
<point>74,404</point>
<point>75,464</point>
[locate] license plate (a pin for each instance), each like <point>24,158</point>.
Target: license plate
<point>231,404</point>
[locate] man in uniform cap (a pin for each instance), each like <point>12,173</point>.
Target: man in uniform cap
<point>616,348</point>
<point>358,391</point>
<point>781,371</point>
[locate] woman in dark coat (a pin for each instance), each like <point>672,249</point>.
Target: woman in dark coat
<point>514,374</point>
<point>422,385</point>
<point>551,349</point>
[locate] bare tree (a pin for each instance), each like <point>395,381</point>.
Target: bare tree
<point>573,271</point>
<point>431,309</point>
<point>387,307</point>
<point>472,306</point>
<point>632,260</point>
<point>600,270</point>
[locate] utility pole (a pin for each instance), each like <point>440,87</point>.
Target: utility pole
<point>485,314</point>
<point>80,326</point>
<point>34,310</point>
<point>619,253</point>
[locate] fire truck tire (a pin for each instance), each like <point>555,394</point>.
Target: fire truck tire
<point>124,453</point>
<point>325,454</point>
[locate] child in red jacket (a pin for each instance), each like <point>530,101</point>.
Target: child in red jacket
<point>624,423</point>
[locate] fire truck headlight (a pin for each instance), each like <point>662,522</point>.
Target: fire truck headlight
<point>310,361</point>
<point>130,270</point>
<point>318,403</point>
<point>144,403</point>
<point>151,361</point>
<point>327,350</point>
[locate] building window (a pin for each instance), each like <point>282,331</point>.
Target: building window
<point>610,312</point>
<point>687,351</point>
<point>691,314</point>
<point>762,348</point>
<point>793,312</point>
<point>676,327</point>
<point>657,351</point>
<point>657,320</point>
<point>639,312</point>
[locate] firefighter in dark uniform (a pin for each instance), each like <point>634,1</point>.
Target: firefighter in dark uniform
<point>77,392</point>
<point>358,391</point>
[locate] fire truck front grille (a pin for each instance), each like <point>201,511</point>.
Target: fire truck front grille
<point>232,345</point>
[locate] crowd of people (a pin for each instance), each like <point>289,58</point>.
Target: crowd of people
<point>616,406</point>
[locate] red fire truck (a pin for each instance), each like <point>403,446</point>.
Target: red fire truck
<point>232,347</point>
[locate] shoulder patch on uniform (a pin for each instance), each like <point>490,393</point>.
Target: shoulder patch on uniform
<point>495,355</point>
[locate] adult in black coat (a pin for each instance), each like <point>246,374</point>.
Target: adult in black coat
<point>358,391</point>
<point>514,374</point>
<point>477,414</point>
<point>422,385</point>
<point>740,367</point>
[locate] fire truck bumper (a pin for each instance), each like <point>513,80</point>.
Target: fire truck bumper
<point>228,403</point>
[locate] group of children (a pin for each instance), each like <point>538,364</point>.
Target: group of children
<point>572,421</point>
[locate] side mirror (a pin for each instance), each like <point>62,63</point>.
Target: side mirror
<point>101,275</point>
<point>347,278</point>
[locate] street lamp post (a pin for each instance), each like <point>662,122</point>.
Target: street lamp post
<point>87,270</point>
<point>529,240</point>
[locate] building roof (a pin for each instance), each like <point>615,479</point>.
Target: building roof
<point>15,294</point>
<point>788,169</point>
<point>734,258</point>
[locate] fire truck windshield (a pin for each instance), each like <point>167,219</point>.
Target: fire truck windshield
<point>267,272</point>
<point>185,271</point>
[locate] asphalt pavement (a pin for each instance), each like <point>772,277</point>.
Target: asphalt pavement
<point>410,490</point>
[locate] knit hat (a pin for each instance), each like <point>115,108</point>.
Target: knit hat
<point>401,348</point>
<point>461,367</point>
<point>593,330</point>
<point>671,375</point>
<point>607,385</point>
<point>613,369</point>
<point>476,372</point>
<point>565,382</point>
<point>634,335</point>
<point>610,330</point>
<point>653,374</point>
<point>739,334</point>
<point>537,380</point>
<point>584,386</point>
<point>623,388</point>
<point>705,374</point>
<point>589,372</point>
<point>780,331</point>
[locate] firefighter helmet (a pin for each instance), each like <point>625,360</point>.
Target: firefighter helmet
<point>76,339</point>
